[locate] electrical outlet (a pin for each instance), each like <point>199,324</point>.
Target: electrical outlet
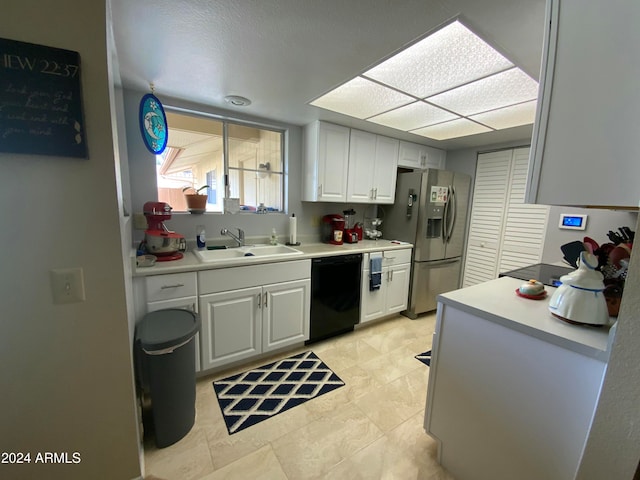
<point>139,221</point>
<point>67,285</point>
<point>315,221</point>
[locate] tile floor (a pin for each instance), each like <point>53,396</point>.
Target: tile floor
<point>369,429</point>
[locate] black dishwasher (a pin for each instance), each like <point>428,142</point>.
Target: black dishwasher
<point>335,295</point>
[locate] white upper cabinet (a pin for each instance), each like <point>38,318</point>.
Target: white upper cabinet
<point>585,148</point>
<point>346,165</point>
<point>373,162</point>
<point>416,156</point>
<point>326,163</point>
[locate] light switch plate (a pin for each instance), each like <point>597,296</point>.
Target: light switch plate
<point>67,285</point>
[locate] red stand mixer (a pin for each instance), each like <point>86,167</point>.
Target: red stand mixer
<point>158,239</point>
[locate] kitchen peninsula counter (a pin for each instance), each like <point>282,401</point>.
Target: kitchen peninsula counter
<point>190,262</point>
<point>497,302</point>
<point>512,390</point>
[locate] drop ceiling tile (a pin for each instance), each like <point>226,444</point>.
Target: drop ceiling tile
<point>513,116</point>
<point>415,115</point>
<point>446,59</point>
<point>496,91</point>
<point>362,98</point>
<point>453,129</point>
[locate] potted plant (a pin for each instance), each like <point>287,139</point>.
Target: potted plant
<point>196,201</point>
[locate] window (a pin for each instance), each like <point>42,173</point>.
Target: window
<point>204,151</point>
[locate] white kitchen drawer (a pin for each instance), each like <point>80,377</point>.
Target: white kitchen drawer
<point>234,278</point>
<point>390,257</point>
<point>175,285</point>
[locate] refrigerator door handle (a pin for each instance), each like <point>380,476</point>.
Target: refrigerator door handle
<point>445,216</point>
<point>438,263</point>
<point>454,206</point>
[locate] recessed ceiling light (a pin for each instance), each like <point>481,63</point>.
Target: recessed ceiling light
<point>237,101</point>
<point>450,57</point>
<point>362,98</point>
<point>415,115</point>
<point>453,129</point>
<point>435,86</point>
<point>497,91</point>
<point>507,117</point>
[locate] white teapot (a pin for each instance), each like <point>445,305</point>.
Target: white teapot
<point>579,299</point>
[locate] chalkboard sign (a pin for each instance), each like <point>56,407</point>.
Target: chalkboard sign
<point>40,100</point>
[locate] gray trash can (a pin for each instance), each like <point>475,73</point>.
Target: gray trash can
<point>165,351</point>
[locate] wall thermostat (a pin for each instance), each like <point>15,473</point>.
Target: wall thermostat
<point>573,222</point>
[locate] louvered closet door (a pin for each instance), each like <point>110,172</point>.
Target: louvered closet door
<point>505,233</point>
<point>525,225</point>
<point>487,217</point>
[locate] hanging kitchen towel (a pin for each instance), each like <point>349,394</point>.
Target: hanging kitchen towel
<point>375,271</point>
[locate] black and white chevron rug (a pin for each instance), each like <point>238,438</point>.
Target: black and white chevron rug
<point>425,358</point>
<point>256,395</point>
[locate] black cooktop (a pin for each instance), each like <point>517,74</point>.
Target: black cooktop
<point>543,272</point>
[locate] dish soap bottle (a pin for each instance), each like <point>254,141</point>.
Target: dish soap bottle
<point>200,237</point>
<point>274,237</point>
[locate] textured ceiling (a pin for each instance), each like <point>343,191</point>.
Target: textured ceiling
<point>282,54</point>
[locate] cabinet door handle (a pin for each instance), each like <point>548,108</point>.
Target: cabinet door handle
<point>259,300</point>
<point>320,190</point>
<point>177,285</point>
<point>266,298</point>
<point>391,273</point>
<point>376,193</point>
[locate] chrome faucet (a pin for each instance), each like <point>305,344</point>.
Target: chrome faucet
<point>239,238</point>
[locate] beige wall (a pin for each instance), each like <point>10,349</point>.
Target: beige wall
<point>65,369</point>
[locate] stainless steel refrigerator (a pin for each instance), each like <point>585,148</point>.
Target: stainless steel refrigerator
<point>430,211</point>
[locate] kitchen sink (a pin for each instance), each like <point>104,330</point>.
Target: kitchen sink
<point>268,250</point>
<point>246,253</point>
<point>215,255</point>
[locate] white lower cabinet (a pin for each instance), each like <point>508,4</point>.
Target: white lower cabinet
<point>397,288</point>
<point>392,295</point>
<point>285,314</point>
<point>243,315</point>
<point>231,329</point>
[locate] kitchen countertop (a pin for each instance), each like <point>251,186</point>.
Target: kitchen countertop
<point>497,301</point>
<point>190,262</point>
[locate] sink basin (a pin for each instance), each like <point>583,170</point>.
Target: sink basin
<point>245,254</point>
<point>215,255</point>
<point>269,250</point>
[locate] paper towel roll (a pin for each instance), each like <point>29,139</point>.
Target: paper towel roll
<point>293,229</point>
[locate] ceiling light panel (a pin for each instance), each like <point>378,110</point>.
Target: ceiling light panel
<point>513,116</point>
<point>362,98</point>
<point>497,91</point>
<point>453,129</point>
<point>446,59</point>
<point>415,115</point>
